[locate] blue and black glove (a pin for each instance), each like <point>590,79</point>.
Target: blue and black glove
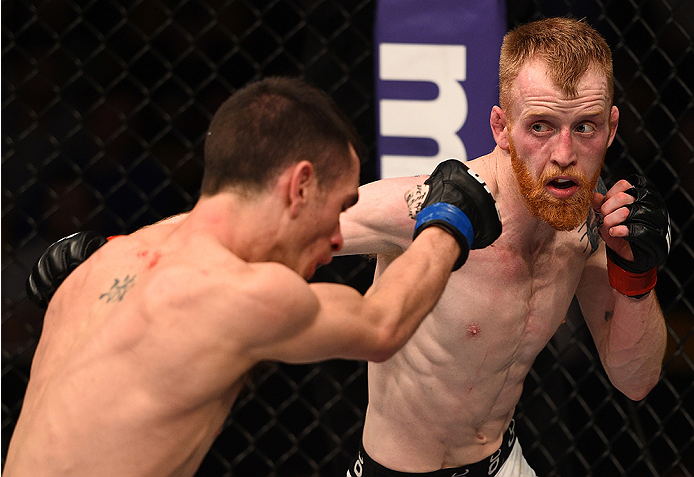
<point>457,200</point>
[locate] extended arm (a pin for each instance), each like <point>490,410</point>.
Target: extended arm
<point>455,206</point>
<point>379,222</point>
<point>379,323</point>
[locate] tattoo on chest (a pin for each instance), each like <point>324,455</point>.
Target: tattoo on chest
<point>119,289</point>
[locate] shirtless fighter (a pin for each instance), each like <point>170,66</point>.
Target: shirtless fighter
<point>145,345</point>
<point>443,405</point>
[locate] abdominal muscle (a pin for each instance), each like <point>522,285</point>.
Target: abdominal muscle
<point>447,397</point>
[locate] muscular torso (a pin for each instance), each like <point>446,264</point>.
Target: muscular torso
<point>133,375</point>
<point>446,398</point>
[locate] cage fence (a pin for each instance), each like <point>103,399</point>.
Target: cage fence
<point>104,108</point>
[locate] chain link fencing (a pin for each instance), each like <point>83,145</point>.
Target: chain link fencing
<point>104,108</point>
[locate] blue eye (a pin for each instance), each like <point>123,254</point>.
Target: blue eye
<point>585,128</point>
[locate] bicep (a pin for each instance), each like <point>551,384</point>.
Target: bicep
<point>341,327</point>
<point>379,222</point>
<point>303,323</point>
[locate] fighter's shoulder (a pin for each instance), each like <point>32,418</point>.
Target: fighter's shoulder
<point>386,189</point>
<point>255,303</point>
<point>484,168</point>
<point>226,284</point>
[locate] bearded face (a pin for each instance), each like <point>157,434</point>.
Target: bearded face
<point>560,214</point>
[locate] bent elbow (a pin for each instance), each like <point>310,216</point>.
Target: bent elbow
<point>388,341</point>
<point>640,389</point>
<point>636,395</point>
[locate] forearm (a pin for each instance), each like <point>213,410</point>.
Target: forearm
<point>635,345</point>
<point>411,286</point>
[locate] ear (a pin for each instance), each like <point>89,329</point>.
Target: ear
<point>302,177</point>
<point>614,121</point>
<point>499,125</point>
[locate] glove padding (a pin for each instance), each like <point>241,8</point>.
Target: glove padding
<point>57,262</point>
<point>649,228</point>
<point>457,200</point>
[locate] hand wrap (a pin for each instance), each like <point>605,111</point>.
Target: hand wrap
<point>457,200</point>
<point>57,262</point>
<point>649,236</point>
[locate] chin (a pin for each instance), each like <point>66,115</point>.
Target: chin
<point>564,218</point>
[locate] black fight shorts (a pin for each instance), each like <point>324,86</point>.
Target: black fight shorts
<point>365,466</point>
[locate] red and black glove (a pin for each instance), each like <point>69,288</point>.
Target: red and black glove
<point>649,236</point>
<point>57,262</point>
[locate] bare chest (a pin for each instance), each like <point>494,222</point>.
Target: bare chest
<point>505,304</point>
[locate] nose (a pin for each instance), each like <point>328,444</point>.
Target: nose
<point>564,154</point>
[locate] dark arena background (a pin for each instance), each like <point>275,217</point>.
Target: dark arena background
<point>104,108</point>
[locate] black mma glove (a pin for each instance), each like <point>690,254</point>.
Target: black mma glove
<point>457,200</point>
<point>649,237</point>
<point>57,262</point>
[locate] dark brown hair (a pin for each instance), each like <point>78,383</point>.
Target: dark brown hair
<point>270,124</point>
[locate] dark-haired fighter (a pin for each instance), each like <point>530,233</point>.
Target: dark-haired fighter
<point>146,343</point>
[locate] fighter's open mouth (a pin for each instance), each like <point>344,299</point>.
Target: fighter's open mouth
<point>562,183</point>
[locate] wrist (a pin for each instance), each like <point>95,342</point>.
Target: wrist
<point>631,284</point>
<point>443,241</point>
<point>453,221</point>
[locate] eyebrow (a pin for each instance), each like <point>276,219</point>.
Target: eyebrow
<point>596,112</point>
<point>589,113</point>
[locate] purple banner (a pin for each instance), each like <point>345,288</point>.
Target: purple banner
<point>437,67</point>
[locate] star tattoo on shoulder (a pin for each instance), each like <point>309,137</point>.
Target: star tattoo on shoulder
<point>119,289</point>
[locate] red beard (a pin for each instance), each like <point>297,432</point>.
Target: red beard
<point>560,214</point>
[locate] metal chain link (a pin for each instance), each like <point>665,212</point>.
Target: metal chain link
<point>105,104</point>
